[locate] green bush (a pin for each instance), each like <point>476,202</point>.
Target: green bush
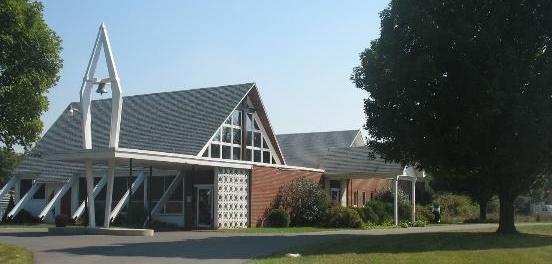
<point>343,217</point>
<point>522,205</point>
<point>456,208</point>
<point>383,210</point>
<point>277,217</point>
<point>24,217</point>
<point>367,214</point>
<point>305,200</point>
<point>62,220</point>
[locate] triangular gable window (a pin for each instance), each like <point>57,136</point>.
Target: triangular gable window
<point>241,137</point>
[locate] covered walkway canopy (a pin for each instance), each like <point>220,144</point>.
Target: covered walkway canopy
<point>361,163</point>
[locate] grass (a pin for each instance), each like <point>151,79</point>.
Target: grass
<point>532,245</point>
<point>14,255</point>
<point>265,230</point>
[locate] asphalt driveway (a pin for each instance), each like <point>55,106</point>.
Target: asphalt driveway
<point>180,246</point>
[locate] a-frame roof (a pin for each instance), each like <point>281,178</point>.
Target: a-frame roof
<point>175,122</point>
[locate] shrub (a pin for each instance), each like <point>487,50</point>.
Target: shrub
<point>344,217</point>
<point>456,208</point>
<point>62,220</point>
<point>367,214</point>
<point>24,217</point>
<point>305,200</point>
<point>277,217</point>
<point>522,205</point>
<point>370,216</point>
<point>383,210</point>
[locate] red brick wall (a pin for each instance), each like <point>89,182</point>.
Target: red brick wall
<point>265,185</point>
<point>369,186</point>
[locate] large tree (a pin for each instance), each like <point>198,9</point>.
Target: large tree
<point>464,87</point>
<point>29,65</point>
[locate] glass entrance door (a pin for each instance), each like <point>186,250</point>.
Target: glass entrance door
<point>204,205</point>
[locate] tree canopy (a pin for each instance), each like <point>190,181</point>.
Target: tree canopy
<point>463,88</point>
<point>29,65</point>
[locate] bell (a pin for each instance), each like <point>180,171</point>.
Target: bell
<point>101,88</point>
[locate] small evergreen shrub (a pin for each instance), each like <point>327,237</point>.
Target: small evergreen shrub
<point>277,217</point>
<point>62,220</point>
<point>344,217</point>
<point>383,210</point>
<point>456,208</point>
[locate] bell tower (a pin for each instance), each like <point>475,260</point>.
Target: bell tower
<point>90,80</point>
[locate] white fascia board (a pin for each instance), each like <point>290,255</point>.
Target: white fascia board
<point>283,161</point>
<point>176,158</point>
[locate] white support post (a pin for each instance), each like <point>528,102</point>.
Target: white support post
<point>109,193</point>
<point>57,197</point>
<point>396,200</point>
<point>90,194</point>
<point>8,186</point>
<point>343,198</point>
<point>124,200</point>
<point>165,197</point>
<point>97,189</point>
<point>413,200</point>
<point>17,208</point>
<point>75,195</point>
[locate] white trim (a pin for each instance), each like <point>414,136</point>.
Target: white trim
<point>148,155</point>
<point>283,161</point>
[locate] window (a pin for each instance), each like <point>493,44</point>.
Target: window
<point>230,137</point>
<point>25,186</point>
<point>175,203</point>
<point>257,147</point>
<point>226,143</point>
<point>355,199</point>
<point>363,198</point>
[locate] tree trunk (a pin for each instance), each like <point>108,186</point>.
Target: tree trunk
<point>506,222</point>
<point>483,209</point>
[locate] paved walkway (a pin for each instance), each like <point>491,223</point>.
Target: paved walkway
<point>181,246</point>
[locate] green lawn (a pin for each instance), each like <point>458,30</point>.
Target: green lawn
<point>262,230</point>
<point>532,245</point>
<point>14,255</point>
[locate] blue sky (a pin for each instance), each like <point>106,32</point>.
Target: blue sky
<point>300,53</point>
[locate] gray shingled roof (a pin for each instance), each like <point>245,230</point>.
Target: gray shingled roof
<point>176,122</point>
<point>358,161</point>
<point>307,149</point>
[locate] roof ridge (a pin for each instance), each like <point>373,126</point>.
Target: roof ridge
<point>176,91</point>
<point>319,132</point>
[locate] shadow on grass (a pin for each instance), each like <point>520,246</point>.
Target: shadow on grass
<point>245,247</point>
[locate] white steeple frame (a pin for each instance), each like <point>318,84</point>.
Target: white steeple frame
<point>102,40</point>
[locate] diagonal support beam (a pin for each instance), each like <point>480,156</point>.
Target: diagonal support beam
<point>27,197</point>
<point>165,197</point>
<point>7,187</point>
<point>124,200</point>
<point>97,189</point>
<point>60,193</point>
